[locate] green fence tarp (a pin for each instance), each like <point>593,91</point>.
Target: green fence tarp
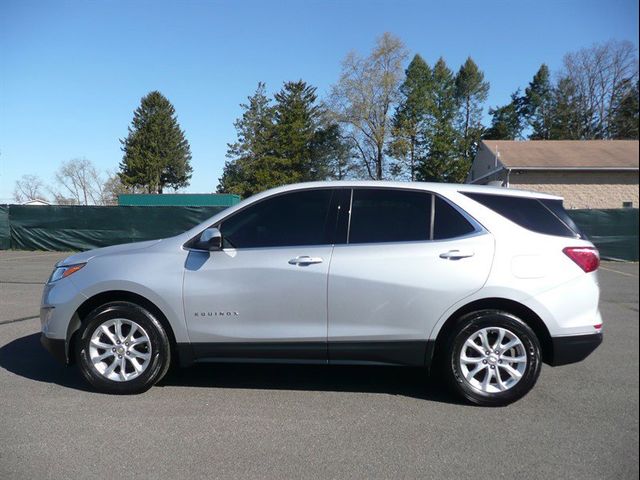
<point>613,231</point>
<point>5,232</point>
<point>40,227</point>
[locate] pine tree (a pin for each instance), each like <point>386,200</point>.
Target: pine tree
<point>507,122</point>
<point>410,116</point>
<point>247,155</point>
<point>624,121</point>
<point>297,122</point>
<point>471,93</point>
<point>567,122</point>
<point>156,152</point>
<point>538,104</point>
<point>443,162</point>
<point>287,142</point>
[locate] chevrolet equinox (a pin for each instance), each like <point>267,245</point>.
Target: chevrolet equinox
<point>482,283</point>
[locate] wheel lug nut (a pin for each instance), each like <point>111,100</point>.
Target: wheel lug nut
<point>118,342</point>
<point>499,361</point>
<point>126,343</point>
<point>488,352</point>
<point>119,356</point>
<point>113,349</point>
<point>484,361</point>
<point>493,366</point>
<point>128,352</point>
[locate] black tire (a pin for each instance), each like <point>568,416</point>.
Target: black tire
<point>160,348</point>
<point>465,328</point>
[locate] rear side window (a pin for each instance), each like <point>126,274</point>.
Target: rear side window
<point>448,222</point>
<point>380,216</point>
<point>530,213</point>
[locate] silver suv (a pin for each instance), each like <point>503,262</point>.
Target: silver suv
<point>485,283</point>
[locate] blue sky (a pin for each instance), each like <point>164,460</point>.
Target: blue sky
<point>72,72</point>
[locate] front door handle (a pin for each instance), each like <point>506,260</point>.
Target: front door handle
<point>304,260</point>
<point>456,254</point>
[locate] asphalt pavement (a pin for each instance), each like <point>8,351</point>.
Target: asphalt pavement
<point>234,421</point>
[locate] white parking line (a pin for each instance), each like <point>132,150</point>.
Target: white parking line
<point>38,255</point>
<point>618,271</point>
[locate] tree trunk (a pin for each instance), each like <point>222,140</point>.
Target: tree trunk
<point>379,160</point>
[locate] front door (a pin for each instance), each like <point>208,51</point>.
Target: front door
<point>264,295</point>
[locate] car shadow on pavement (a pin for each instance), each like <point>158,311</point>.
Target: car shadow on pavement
<point>408,382</point>
<point>27,358</point>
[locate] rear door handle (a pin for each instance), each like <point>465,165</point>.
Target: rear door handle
<point>304,260</point>
<point>456,254</point>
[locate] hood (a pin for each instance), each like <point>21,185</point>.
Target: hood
<point>83,257</point>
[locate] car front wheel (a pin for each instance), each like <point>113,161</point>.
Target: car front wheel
<point>122,349</point>
<point>493,358</point>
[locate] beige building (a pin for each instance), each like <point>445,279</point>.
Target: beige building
<point>587,173</point>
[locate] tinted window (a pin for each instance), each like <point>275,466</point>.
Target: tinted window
<point>556,207</point>
<point>529,213</point>
<point>448,222</point>
<point>298,218</point>
<point>380,215</point>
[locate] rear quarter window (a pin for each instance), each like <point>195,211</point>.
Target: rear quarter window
<point>538,215</point>
<point>448,222</point>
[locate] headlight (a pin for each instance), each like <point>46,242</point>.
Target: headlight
<point>62,272</point>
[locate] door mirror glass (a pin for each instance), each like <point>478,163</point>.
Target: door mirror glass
<point>210,239</point>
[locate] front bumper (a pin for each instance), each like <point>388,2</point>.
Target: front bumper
<point>56,347</point>
<point>574,348</point>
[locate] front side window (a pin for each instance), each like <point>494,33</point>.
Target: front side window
<point>380,216</point>
<point>290,219</point>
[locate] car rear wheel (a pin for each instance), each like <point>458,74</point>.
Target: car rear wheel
<point>122,349</point>
<point>493,358</point>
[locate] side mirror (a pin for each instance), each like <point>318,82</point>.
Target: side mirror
<point>211,239</point>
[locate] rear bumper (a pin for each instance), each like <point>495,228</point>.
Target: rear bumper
<point>574,348</point>
<point>56,347</point>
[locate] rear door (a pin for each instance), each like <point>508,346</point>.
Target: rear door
<point>409,256</point>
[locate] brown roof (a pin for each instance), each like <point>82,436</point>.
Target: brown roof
<point>586,154</point>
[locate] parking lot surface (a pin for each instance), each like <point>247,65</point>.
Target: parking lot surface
<point>580,421</point>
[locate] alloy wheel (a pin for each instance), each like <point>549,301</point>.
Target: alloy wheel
<point>120,349</point>
<point>493,360</point>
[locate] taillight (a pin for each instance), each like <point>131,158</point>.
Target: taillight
<point>587,258</point>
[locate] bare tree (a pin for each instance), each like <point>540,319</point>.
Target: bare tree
<point>364,96</point>
<point>80,183</point>
<point>598,75</point>
<point>27,188</point>
<point>113,187</point>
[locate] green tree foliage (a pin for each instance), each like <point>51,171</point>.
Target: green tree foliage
<point>538,104</point>
<point>407,144</point>
<point>285,142</point>
<point>507,122</point>
<point>443,162</point>
<point>471,93</point>
<point>296,130</point>
<point>624,121</point>
<point>248,154</point>
<point>156,152</point>
<point>566,118</point>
